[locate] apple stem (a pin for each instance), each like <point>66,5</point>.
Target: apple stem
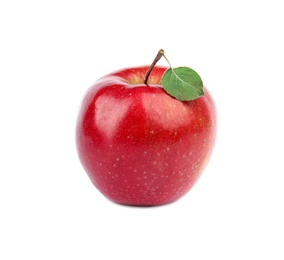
<point>157,58</point>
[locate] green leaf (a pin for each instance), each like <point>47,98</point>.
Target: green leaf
<point>183,83</point>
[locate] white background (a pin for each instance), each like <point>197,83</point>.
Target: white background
<point>52,51</point>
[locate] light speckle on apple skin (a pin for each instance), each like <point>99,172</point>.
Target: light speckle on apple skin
<point>146,154</point>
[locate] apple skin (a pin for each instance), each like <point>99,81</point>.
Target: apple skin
<point>139,145</point>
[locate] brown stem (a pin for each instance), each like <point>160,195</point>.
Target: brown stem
<point>159,56</point>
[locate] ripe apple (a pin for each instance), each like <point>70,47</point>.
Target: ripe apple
<point>138,144</point>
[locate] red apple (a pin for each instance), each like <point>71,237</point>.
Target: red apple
<point>138,144</point>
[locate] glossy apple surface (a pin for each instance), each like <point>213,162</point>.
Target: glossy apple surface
<point>139,145</point>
